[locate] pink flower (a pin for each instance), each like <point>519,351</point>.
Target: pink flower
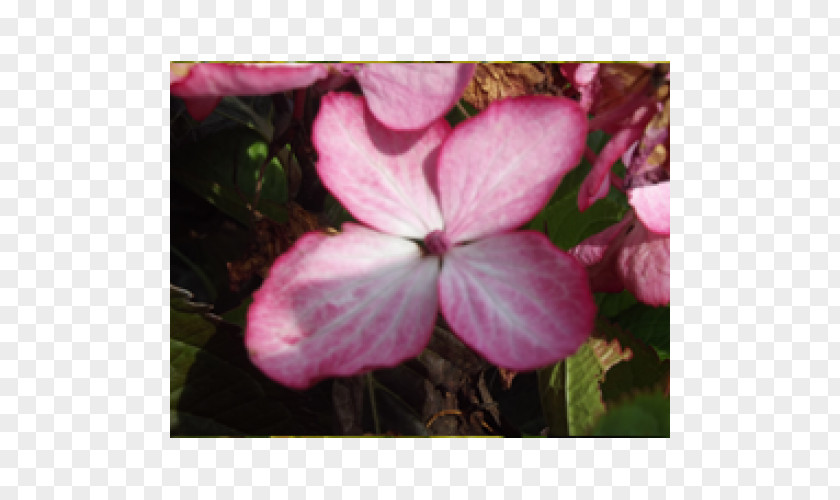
<point>635,253</point>
<point>368,297</point>
<point>401,96</point>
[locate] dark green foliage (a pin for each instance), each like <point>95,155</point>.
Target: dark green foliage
<point>216,391</point>
<point>644,415</point>
<point>226,169</point>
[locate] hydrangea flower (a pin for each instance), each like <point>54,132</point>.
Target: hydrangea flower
<point>402,96</point>
<point>635,253</point>
<point>439,210</point>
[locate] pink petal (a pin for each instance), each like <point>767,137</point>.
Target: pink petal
<point>598,254</point>
<point>221,79</point>
<point>341,305</point>
<point>653,206</point>
<point>498,169</point>
<point>201,107</point>
<point>215,80</point>
<point>644,263</point>
<point>584,78</point>
<point>580,74</point>
<point>411,96</point>
<point>596,184</point>
<point>378,174</point>
<point>628,156</point>
<point>516,299</point>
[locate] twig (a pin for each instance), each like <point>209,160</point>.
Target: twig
<point>443,413</point>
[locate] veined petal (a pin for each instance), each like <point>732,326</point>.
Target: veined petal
<point>380,175</point>
<point>497,170</point>
<point>221,79</point>
<point>340,305</point>
<point>653,206</point>
<point>644,263</point>
<point>413,95</point>
<point>516,299</point>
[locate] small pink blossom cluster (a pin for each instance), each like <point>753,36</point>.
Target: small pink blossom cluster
<point>439,211</point>
<point>634,254</point>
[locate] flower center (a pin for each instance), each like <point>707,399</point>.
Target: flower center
<point>436,242</point>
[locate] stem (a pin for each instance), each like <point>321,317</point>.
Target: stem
<point>372,396</point>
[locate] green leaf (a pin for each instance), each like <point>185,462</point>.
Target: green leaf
<point>570,395</point>
<point>651,325</point>
<point>238,315</point>
<point>561,220</point>
<point>224,169</point>
<point>566,226</point>
<point>254,112</point>
<point>611,304</point>
<point>607,368</point>
<point>645,415</point>
<point>641,369</point>
<point>216,391</point>
<point>572,181</point>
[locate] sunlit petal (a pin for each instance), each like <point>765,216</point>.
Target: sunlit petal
<point>340,305</point>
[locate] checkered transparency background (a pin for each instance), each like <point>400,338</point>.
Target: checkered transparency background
<point>84,223</point>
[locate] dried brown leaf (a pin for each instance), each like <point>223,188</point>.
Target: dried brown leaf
<point>507,377</point>
<point>271,240</point>
<point>618,81</point>
<point>494,81</point>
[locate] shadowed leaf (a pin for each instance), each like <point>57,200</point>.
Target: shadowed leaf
<point>224,169</point>
<point>567,226</point>
<point>215,391</point>
<point>608,368</point>
<point>645,415</point>
<point>641,368</point>
<point>651,325</point>
<point>570,395</point>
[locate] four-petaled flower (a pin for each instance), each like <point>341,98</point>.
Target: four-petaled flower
<point>368,297</point>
